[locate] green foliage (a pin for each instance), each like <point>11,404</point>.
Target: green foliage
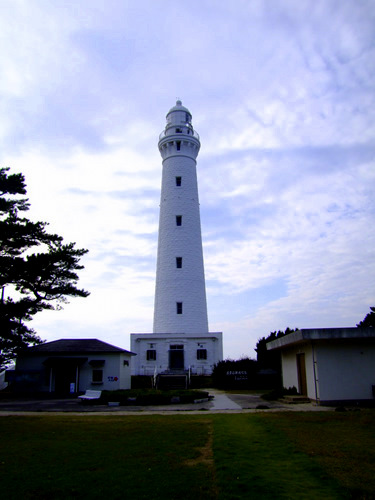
<point>231,373</point>
<point>142,382</point>
<point>369,320</point>
<point>38,270</point>
<point>270,359</point>
<point>279,393</point>
<point>146,397</point>
<point>200,382</point>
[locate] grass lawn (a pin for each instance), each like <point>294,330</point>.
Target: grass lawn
<point>263,455</point>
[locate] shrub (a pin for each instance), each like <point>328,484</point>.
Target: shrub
<point>279,393</point>
<point>147,397</point>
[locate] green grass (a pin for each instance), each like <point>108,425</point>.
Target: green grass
<point>269,455</point>
<point>111,457</point>
<point>342,443</point>
<point>254,459</point>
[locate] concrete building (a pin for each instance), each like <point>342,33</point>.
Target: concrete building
<point>71,366</point>
<point>180,340</point>
<point>329,365</point>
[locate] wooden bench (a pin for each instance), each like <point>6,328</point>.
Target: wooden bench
<point>90,395</point>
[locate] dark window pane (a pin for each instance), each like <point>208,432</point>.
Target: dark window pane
<point>201,353</point>
<point>151,355</point>
<point>177,347</point>
<point>97,375</point>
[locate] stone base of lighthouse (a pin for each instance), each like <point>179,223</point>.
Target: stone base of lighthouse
<point>174,353</point>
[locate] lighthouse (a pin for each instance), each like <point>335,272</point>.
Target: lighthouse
<point>180,295</point>
<point>181,341</point>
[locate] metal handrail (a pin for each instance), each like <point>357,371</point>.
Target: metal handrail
<point>192,133</point>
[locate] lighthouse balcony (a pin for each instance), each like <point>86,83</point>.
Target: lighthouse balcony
<point>176,132</point>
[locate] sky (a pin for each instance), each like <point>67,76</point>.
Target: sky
<point>282,94</point>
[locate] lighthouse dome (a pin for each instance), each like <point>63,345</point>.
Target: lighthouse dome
<point>178,107</point>
<point>179,136</point>
<point>178,115</point>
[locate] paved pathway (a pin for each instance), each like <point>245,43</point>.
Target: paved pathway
<point>222,402</point>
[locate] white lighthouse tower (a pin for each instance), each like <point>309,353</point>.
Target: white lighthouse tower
<point>180,341</point>
<point>180,296</point>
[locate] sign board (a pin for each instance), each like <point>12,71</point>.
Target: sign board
<point>237,378</point>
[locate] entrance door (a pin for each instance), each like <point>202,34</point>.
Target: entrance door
<point>176,357</point>
<point>301,371</point>
<point>64,376</point>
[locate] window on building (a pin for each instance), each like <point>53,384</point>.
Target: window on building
<point>97,376</point>
<point>176,347</point>
<point>178,144</point>
<point>179,262</point>
<point>151,355</point>
<point>126,362</point>
<point>178,131</point>
<point>179,307</point>
<point>178,181</point>
<point>178,220</point>
<point>201,353</point>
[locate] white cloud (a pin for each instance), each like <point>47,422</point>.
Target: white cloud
<point>283,100</point>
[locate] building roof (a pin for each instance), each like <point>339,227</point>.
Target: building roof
<point>310,334</point>
<point>74,346</point>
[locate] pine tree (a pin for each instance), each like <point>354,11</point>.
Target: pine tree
<point>37,269</point>
<point>369,320</point>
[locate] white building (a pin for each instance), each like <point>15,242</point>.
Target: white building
<point>70,366</point>
<point>180,340</point>
<point>329,365</point>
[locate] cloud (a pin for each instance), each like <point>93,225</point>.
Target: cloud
<point>283,101</point>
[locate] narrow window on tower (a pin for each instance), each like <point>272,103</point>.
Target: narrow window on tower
<point>179,307</point>
<point>178,144</point>
<point>178,220</point>
<point>179,262</point>
<point>178,181</point>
